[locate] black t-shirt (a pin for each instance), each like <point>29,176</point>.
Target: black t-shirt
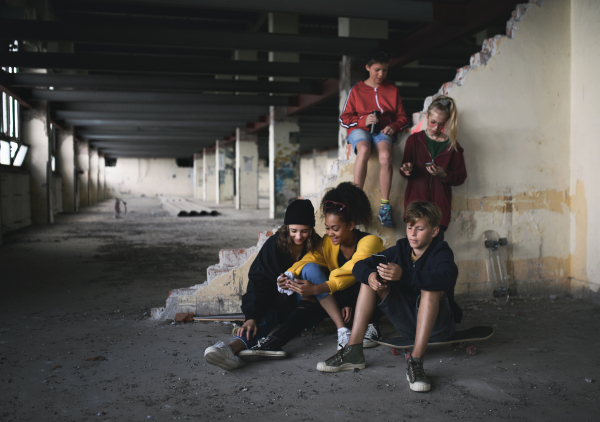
<point>341,258</point>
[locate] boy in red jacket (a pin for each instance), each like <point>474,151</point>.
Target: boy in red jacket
<point>374,102</point>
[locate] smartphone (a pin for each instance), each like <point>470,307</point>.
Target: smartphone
<point>379,259</point>
<point>429,164</point>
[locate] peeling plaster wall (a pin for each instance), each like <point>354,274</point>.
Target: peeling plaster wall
<point>585,126</point>
<point>148,176</point>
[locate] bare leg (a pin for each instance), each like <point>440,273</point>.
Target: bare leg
<point>237,346</point>
<point>333,310</point>
<point>363,152</point>
<point>365,306</point>
<point>384,151</point>
<point>428,312</point>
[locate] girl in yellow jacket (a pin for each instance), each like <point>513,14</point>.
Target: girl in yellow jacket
<point>328,269</point>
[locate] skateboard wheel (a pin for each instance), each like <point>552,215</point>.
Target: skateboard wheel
<point>396,352</point>
<point>472,350</point>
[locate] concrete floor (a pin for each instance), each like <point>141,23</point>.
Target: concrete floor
<point>83,287</point>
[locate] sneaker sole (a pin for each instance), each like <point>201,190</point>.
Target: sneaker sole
<point>258,355</point>
<point>420,387</point>
<point>322,366</point>
<point>217,359</point>
<point>368,343</point>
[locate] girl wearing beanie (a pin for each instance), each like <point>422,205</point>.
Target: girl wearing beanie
<point>326,271</point>
<point>263,305</point>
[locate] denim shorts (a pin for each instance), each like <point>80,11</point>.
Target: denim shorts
<point>403,315</point>
<point>359,135</point>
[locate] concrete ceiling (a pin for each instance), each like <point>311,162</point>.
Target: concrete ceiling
<point>146,77</point>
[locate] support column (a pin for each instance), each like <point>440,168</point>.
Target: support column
<point>101,178</point>
<point>225,179</point>
<point>353,70</point>
<point>198,176</point>
<point>210,179</point>
<point>93,176</point>
<point>66,168</point>
<point>283,23</point>
<point>284,161</point>
<point>83,172</point>
<point>246,169</point>
<point>35,130</point>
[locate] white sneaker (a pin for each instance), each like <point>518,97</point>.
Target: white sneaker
<point>221,355</point>
<point>343,337</point>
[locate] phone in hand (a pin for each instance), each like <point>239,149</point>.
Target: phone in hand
<point>379,259</point>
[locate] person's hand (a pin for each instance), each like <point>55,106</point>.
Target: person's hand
<point>388,130</point>
<point>303,287</point>
<point>347,313</point>
<point>436,171</point>
<point>283,282</point>
<point>389,272</point>
<point>249,327</point>
<point>406,168</point>
<point>371,119</point>
<point>375,284</point>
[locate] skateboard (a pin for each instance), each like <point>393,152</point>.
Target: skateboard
<point>219,318</point>
<point>496,268</point>
<point>458,340</point>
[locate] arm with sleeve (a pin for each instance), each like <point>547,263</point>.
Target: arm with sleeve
<point>409,157</point>
<point>342,278</point>
<point>439,274</point>
<point>349,118</point>
<point>456,173</point>
<point>315,257</point>
<point>400,121</point>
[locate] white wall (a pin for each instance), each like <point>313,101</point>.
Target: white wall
<point>149,177</point>
<point>585,147</point>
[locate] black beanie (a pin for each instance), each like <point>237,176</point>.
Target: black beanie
<point>301,211</point>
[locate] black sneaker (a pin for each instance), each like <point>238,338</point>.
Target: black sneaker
<point>416,375</point>
<point>373,333</point>
<point>267,348</point>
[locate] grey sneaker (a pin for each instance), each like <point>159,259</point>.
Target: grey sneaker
<point>416,375</point>
<point>350,357</point>
<point>221,355</point>
<point>343,338</point>
<point>385,216</point>
<point>373,333</point>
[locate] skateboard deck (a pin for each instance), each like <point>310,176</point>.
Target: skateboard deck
<point>459,339</point>
<point>224,317</point>
<point>496,268</point>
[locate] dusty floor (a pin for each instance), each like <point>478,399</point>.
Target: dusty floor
<point>83,288</point>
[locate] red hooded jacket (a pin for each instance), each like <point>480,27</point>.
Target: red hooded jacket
<point>422,186</point>
<point>363,99</point>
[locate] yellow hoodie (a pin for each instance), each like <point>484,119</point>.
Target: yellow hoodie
<point>326,255</point>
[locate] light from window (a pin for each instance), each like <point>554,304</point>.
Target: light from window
<point>4,153</point>
<point>21,154</point>
<point>53,163</point>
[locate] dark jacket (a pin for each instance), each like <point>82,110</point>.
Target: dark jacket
<point>422,186</point>
<point>435,270</point>
<point>262,291</point>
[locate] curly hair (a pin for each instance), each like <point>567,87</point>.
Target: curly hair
<point>357,207</point>
<point>285,242</point>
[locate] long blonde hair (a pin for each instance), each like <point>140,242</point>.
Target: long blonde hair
<point>446,104</point>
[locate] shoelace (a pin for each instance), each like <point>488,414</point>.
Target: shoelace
<point>371,332</point>
<point>417,370</point>
<point>262,341</point>
<point>339,355</point>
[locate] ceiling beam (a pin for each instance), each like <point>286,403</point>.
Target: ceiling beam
<point>178,37</point>
<point>104,115</point>
<point>156,83</point>
<point>402,10</point>
<point>153,97</point>
<point>171,65</point>
<point>479,14</point>
<point>160,107</point>
<point>156,123</point>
